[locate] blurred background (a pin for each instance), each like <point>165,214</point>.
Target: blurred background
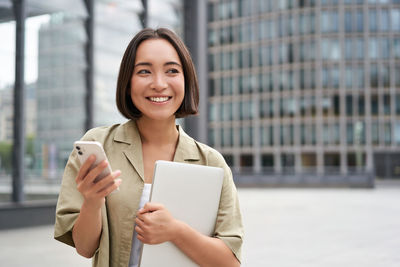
<point>294,93</point>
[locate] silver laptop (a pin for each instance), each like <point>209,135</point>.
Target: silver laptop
<point>191,193</point>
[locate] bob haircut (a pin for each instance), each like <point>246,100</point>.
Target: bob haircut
<point>190,101</point>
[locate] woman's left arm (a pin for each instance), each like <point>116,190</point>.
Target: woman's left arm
<point>155,225</point>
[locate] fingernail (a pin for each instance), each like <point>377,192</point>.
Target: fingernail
<point>118,181</point>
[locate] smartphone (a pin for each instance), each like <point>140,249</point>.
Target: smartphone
<point>86,148</point>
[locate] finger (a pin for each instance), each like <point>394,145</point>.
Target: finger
<point>84,169</point>
<point>106,181</point>
<point>93,173</point>
<point>139,230</point>
<point>150,207</point>
<point>110,188</point>
<point>141,239</point>
<point>142,218</point>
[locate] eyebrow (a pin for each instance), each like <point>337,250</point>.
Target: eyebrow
<point>165,64</point>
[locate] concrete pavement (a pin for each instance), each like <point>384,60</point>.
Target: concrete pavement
<point>284,228</point>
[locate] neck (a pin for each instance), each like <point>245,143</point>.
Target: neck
<point>159,132</point>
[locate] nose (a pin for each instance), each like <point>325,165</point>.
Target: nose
<point>159,82</point>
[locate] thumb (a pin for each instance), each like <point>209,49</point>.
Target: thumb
<point>150,207</point>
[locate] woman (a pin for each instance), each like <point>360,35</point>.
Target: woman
<point>156,84</point>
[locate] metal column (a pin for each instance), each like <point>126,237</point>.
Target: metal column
<point>19,133</point>
<point>144,15</point>
<point>195,36</point>
<point>89,50</point>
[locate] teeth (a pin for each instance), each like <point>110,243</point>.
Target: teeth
<point>158,99</point>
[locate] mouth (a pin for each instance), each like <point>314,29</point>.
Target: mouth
<point>159,99</point>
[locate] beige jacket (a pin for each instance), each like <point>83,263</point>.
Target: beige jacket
<point>123,147</point>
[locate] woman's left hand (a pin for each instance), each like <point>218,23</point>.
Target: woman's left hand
<point>155,225</point>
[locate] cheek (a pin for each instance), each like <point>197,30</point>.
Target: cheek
<point>180,86</point>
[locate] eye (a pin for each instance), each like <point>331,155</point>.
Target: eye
<point>144,71</point>
<point>173,71</point>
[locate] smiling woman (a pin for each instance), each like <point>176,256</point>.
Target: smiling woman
<point>181,60</point>
<point>156,84</point>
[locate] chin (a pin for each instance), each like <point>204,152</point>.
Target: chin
<point>160,117</point>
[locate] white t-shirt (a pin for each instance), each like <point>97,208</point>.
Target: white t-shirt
<point>136,244</point>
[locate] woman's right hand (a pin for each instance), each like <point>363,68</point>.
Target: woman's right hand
<point>94,193</point>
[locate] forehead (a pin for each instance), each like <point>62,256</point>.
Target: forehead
<point>156,50</point>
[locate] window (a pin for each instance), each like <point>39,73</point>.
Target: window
<point>360,82</point>
<point>313,134</point>
<point>229,159</point>
<point>396,48</point>
<point>385,48</point>
<point>212,114</point>
<point>331,160</point>
<point>348,49</point>
<point>385,20</point>
<point>246,136</point>
<point>395,19</point>
<point>349,77</point>
<point>267,137</point>
<point>349,105</point>
<point>374,75</point>
<point>335,77</point>
<point>356,159</point>
<point>348,21</point>
<point>385,75</point>
<point>361,105</point>
<point>226,111</point>
<point>246,161</point>
<point>359,48</point>
<point>386,104</point>
<point>226,137</point>
<point>326,134</point>
<point>267,160</point>
<point>397,133</point>
<point>308,159</point>
<point>374,105</point>
<point>388,133</point>
<point>359,21</point>
<point>373,48</point>
<point>329,21</point>
<point>397,104</point>
<point>287,160</point>
<point>397,76</point>
<point>350,133</point>
<point>211,136</point>
<point>211,87</point>
<point>375,132</point>
<point>210,11</point>
<point>373,19</point>
<point>303,134</point>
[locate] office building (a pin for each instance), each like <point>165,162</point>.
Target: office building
<point>305,87</point>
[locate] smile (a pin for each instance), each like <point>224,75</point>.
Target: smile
<point>159,99</point>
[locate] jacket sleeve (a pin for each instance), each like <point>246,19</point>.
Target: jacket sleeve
<point>229,227</point>
<point>69,202</point>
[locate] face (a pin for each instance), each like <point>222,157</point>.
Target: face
<point>157,83</point>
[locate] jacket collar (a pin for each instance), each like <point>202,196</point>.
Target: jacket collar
<point>128,133</point>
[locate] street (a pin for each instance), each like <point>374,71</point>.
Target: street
<point>284,228</point>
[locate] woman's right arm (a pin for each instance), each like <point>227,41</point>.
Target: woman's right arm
<point>87,229</point>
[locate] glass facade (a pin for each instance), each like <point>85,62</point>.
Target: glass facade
<point>55,76</point>
<point>7,78</point>
<point>313,84</point>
